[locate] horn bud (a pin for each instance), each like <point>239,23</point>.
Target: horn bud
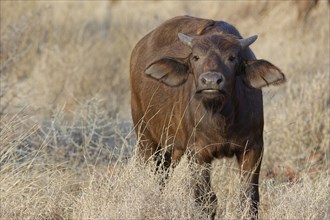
<point>185,39</point>
<point>245,42</point>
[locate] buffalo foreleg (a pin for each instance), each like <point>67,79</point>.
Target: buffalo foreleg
<point>250,161</point>
<point>203,193</point>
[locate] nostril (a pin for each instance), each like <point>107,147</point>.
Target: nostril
<point>203,80</point>
<point>219,81</point>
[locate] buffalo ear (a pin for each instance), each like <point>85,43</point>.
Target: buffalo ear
<point>169,71</point>
<point>260,73</point>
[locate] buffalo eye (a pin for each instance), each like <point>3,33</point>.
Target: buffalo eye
<point>195,58</point>
<point>232,58</point>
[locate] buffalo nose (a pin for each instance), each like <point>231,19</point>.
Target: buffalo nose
<point>211,79</point>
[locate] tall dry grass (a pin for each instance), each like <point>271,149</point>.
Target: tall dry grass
<point>66,140</point>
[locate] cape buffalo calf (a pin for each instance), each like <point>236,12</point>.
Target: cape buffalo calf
<point>196,89</point>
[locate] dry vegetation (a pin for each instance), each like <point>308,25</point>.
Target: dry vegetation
<point>66,146</point>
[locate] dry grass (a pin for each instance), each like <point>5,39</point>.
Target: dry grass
<point>66,146</point>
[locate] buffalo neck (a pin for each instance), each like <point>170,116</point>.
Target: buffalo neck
<point>221,114</point>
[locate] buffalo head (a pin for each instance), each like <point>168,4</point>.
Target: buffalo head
<point>216,61</point>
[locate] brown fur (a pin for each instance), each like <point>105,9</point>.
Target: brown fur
<point>169,115</point>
